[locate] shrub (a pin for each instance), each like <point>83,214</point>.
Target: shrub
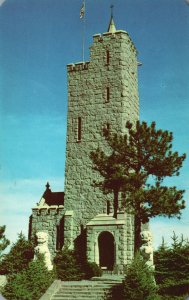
<point>139,282</point>
<point>171,288</point>
<point>91,269</point>
<point>21,253</point>
<point>67,266</point>
<point>166,297</point>
<point>172,267</point>
<point>70,266</point>
<point>31,283</point>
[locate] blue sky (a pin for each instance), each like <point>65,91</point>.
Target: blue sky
<point>38,38</point>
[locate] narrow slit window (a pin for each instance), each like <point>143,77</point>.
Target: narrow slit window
<point>107,94</point>
<point>57,238</point>
<point>107,57</point>
<point>79,129</point>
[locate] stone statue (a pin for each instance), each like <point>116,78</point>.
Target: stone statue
<point>42,248</point>
<point>146,248</point>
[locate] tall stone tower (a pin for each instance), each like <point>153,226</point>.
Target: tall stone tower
<point>102,93</point>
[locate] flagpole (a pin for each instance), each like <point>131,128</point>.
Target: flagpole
<point>83,46</point>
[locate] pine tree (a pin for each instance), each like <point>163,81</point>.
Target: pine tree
<point>21,253</point>
<point>172,267</point>
<point>139,281</point>
<point>162,262</point>
<point>29,284</point>
<point>137,164</point>
<point>4,242</point>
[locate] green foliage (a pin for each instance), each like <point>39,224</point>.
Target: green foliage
<point>4,242</point>
<point>139,282</point>
<point>69,266</point>
<point>136,164</point>
<point>29,284</point>
<point>91,269</point>
<point>172,267</point>
<point>173,297</point>
<point>21,253</point>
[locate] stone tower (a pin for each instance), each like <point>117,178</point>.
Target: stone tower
<point>102,93</point>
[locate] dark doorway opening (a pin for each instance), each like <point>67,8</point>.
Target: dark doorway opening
<point>106,250</point>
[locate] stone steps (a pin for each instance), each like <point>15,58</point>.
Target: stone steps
<point>81,290</point>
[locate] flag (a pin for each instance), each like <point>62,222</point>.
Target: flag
<point>82,11</point>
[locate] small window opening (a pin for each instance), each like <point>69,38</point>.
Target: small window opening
<point>107,94</point>
<point>79,129</point>
<point>107,57</point>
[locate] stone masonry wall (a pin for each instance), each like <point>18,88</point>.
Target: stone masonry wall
<point>130,238</point>
<point>49,220</point>
<point>87,99</point>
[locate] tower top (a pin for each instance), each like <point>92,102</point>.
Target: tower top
<point>111,27</point>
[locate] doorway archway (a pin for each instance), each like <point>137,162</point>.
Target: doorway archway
<point>106,250</point>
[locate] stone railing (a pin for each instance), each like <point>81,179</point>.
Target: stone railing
<point>55,286</point>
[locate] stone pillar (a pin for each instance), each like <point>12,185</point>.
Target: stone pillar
<point>68,229</point>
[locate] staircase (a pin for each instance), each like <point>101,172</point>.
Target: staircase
<point>96,289</point>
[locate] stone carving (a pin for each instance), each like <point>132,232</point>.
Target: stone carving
<point>146,248</point>
<point>42,248</point>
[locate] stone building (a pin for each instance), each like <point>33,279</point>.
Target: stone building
<point>102,93</point>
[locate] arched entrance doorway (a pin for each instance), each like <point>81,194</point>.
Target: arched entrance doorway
<point>106,250</point>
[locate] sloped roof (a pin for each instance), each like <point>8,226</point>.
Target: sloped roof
<point>53,198</point>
